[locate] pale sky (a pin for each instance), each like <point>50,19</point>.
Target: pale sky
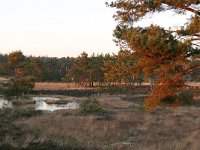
<point>62,28</point>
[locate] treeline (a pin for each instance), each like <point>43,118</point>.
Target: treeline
<point>86,70</point>
<point>115,69</point>
<point>43,69</point>
<point>104,70</point>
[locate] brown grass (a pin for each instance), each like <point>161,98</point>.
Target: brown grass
<point>167,129</point>
<point>23,102</point>
<point>67,86</point>
<point>57,86</point>
<point>114,101</point>
<point>127,128</point>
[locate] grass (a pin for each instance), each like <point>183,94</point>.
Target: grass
<point>121,126</point>
<point>126,129</point>
<point>56,86</point>
<point>23,102</point>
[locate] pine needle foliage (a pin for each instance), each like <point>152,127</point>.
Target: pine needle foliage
<point>168,54</point>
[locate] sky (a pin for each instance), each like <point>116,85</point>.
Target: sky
<point>62,28</point>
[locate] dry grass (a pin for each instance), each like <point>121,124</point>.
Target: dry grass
<point>115,102</point>
<point>167,129</point>
<point>193,84</point>
<point>23,102</point>
<point>127,128</point>
<point>57,86</point>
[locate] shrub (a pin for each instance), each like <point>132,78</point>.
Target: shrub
<point>2,88</point>
<point>14,114</point>
<point>181,98</point>
<point>51,145</point>
<point>90,106</point>
<point>105,115</point>
<point>184,98</point>
<point>6,147</point>
<point>20,86</point>
<point>168,100</point>
<point>26,113</point>
<point>73,142</point>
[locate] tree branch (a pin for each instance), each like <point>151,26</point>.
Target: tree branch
<point>188,9</point>
<point>185,72</point>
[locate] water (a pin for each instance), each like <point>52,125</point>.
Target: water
<point>41,105</point>
<point>5,103</point>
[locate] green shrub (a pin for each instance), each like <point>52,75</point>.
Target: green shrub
<point>90,106</point>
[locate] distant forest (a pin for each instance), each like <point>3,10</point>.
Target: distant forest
<point>41,68</point>
<point>119,69</point>
<point>84,69</point>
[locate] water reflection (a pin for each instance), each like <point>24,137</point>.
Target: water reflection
<point>42,105</point>
<point>5,103</point>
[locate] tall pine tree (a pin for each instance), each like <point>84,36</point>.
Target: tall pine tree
<point>168,54</point>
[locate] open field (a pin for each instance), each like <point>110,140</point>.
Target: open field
<point>66,86</point>
<point>124,125</point>
<point>56,86</point>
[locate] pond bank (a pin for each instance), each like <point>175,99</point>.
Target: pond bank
<point>38,103</point>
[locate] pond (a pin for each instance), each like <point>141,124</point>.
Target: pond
<point>5,103</point>
<point>41,104</point>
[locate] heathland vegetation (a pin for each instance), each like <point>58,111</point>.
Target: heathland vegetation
<point>114,108</point>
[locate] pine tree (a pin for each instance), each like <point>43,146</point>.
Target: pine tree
<point>168,54</point>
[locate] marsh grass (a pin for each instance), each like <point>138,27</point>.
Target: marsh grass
<point>23,102</point>
<point>126,128</point>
